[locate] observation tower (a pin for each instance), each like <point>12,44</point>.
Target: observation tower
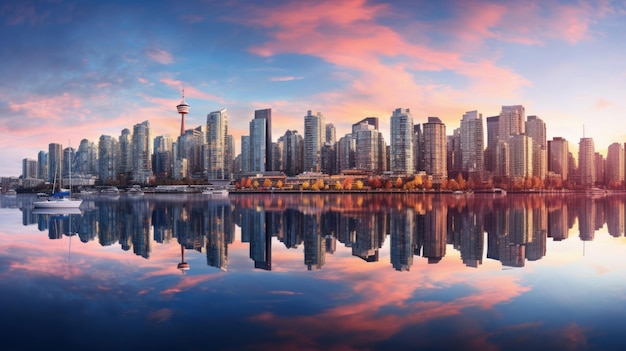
<point>183,109</point>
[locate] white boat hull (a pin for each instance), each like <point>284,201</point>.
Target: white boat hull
<point>58,203</point>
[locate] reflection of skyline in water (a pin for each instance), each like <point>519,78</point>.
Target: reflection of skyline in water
<point>511,229</point>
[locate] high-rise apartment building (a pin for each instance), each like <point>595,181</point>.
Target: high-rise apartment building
<point>368,142</point>
<point>435,149</point>
<point>162,156</point>
<point>558,150</point>
<point>511,121</point>
<point>346,150</point>
<point>125,163</point>
<point>258,144</point>
<point>55,162</point>
<point>586,161</point>
<point>520,156</point>
<point>107,159</point>
<point>292,145</point>
<point>472,143</point>
<point>331,134</point>
<point>493,130</point>
<point>86,158</point>
<point>217,147</point>
<point>245,154</point>
<point>536,130</point>
<point>29,168</point>
<point>615,164</point>
<point>314,133</point>
<point>266,114</point>
<point>42,168</point>
<point>401,144</point>
<point>142,158</point>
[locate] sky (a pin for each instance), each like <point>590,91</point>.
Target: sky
<point>71,70</point>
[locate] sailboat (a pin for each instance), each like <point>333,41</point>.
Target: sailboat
<point>62,199</point>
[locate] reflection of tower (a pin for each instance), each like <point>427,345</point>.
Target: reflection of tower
<point>183,266</point>
<point>183,109</point>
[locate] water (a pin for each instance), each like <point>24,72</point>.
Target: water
<point>315,272</point>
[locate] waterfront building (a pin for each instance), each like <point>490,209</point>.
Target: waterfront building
<point>435,163</point>
<point>331,134</point>
<point>493,129</point>
<point>368,142</point>
<point>107,159</point>
<point>558,150</point>
<point>346,152</point>
<point>190,147</point>
<point>29,168</point>
<point>141,151</point>
<point>520,156</point>
<point>42,165</point>
<point>86,158</point>
<point>586,161</point>
<point>511,121</point>
<point>536,130</point>
<point>258,144</point>
<point>162,157</point>
<point>266,115</point>
<point>245,154</point>
<point>401,144</point>
<point>314,133</point>
<point>55,162</point>
<point>472,143</point>
<point>615,164</point>
<point>125,163</point>
<point>453,157</point>
<point>292,145</point>
<point>217,147</point>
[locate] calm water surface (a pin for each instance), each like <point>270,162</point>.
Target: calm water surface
<point>316,272</point>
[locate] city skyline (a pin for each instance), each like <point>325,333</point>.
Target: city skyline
<point>79,70</point>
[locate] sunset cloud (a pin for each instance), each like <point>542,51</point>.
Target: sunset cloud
<point>161,56</point>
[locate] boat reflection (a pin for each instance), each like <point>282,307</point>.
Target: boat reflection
<point>512,230</point>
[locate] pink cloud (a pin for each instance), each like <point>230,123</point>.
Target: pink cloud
<point>161,56</point>
<point>191,91</point>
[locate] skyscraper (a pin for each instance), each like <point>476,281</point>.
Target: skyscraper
<point>401,144</point>
<point>493,125</point>
<point>536,130</point>
<point>216,137</point>
<point>511,121</point>
<point>42,161</point>
<point>126,153</point>
<point>520,156</point>
<point>314,134</point>
<point>615,165</point>
<point>29,168</point>
<point>293,150</point>
<point>472,143</point>
<point>55,162</point>
<point>258,144</point>
<point>142,159</point>
<point>266,114</point>
<point>558,150</point>
<point>331,134</point>
<point>107,159</point>
<point>586,161</point>
<point>435,147</point>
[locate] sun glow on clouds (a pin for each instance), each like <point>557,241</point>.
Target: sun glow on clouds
<point>161,56</point>
<point>351,36</point>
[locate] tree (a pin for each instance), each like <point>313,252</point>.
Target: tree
<point>398,183</point>
<point>453,185</point>
<point>279,184</point>
<point>358,184</point>
<point>255,184</point>
<point>461,181</point>
<point>319,183</point>
<point>306,185</point>
<point>338,186</point>
<point>267,183</point>
<point>347,183</point>
<point>428,184</point>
